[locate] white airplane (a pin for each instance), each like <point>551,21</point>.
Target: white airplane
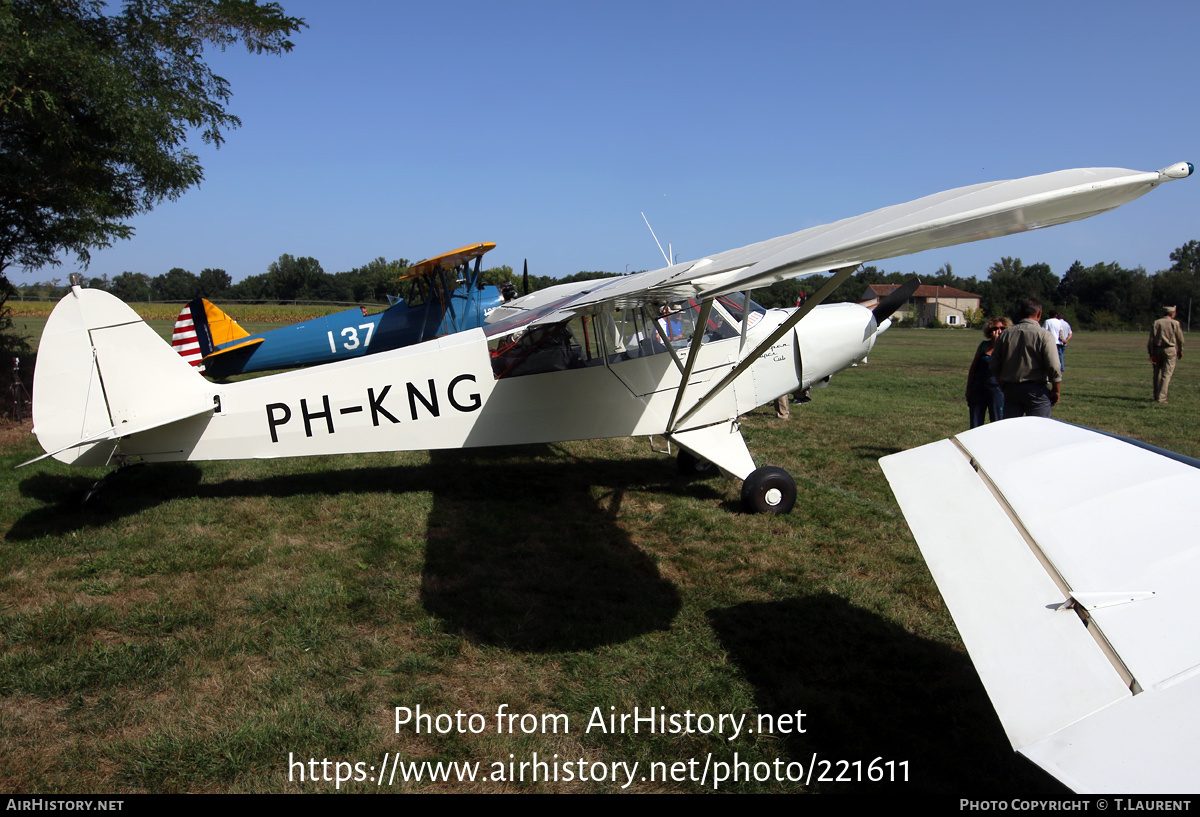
<point>1069,560</point>
<point>680,352</point>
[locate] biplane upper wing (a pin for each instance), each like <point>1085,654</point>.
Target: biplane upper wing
<point>1069,561</point>
<point>944,219</point>
<point>448,260</point>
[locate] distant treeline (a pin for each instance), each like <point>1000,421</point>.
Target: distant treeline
<point>287,280</point>
<point>1102,296</point>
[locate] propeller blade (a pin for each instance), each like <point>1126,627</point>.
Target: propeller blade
<point>899,297</point>
<point>525,279</point>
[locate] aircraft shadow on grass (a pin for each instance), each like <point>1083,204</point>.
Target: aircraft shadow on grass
<point>522,546</point>
<point>870,689</point>
<point>530,557</point>
<point>874,452</point>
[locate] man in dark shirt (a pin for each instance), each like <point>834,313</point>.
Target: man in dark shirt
<point>1025,360</point>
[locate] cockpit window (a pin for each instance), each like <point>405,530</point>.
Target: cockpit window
<point>535,351</point>
<point>735,304</point>
<point>717,326</point>
<point>611,337</point>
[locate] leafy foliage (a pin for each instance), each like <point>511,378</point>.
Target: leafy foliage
<point>131,287</point>
<point>1186,259</point>
<point>95,109</point>
<point>9,343</point>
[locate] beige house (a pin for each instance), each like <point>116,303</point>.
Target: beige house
<point>947,304</point>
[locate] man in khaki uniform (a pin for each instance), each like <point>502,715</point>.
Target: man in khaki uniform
<point>1165,347</point>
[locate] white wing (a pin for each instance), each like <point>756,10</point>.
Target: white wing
<point>941,220</point>
<point>1017,517</point>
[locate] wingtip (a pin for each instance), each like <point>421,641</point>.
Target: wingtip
<point>1179,170</point>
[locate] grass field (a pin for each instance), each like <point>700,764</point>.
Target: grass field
<point>209,621</point>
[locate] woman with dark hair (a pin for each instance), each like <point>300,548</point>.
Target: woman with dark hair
<point>984,395</point>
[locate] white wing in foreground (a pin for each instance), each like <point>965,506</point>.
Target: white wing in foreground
<point>1033,527</point>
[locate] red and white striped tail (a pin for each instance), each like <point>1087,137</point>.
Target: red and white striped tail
<point>184,339</point>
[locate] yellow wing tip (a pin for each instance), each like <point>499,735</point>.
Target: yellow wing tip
<point>448,260</point>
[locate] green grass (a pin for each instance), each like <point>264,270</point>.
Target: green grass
<point>206,620</point>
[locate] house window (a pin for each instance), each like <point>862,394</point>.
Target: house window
<point>952,320</point>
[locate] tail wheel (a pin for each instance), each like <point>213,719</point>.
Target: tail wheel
<point>692,466</point>
<point>769,490</point>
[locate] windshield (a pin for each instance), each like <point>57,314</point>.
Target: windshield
<point>735,305</point>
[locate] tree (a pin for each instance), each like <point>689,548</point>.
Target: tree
<point>176,285</point>
<point>373,281</point>
<point>95,109</point>
<point>1179,285</point>
<point>10,343</point>
<point>131,287</point>
<point>495,276</point>
<point>291,279</point>
<point>214,283</point>
<point>1187,259</point>
<point>1013,280</point>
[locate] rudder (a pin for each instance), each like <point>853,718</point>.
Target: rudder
<point>102,373</point>
<point>200,328</point>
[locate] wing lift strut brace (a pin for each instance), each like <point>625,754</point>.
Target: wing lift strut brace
<point>835,280</point>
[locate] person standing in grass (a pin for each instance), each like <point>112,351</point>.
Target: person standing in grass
<point>1025,361</point>
<point>985,398</point>
<point>1165,347</point>
<point>1061,330</point>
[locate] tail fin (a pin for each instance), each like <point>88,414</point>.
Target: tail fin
<point>200,328</point>
<point>103,374</point>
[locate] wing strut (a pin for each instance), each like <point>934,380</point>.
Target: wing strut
<point>745,319</point>
<point>664,332</point>
<point>693,352</point>
<point>448,287</point>
<point>833,283</point>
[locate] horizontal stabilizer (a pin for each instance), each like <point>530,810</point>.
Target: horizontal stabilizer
<point>113,434</point>
<point>1017,518</point>
<point>247,345</point>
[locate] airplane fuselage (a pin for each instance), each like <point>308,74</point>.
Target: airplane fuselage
<point>443,394</point>
<point>350,333</point>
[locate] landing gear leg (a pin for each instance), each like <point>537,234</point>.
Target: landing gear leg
<point>692,466</point>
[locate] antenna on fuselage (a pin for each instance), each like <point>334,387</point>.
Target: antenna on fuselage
<point>665,256</point>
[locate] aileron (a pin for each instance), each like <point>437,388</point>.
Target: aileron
<point>1034,531</point>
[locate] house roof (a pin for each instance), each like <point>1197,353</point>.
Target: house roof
<point>923,291</point>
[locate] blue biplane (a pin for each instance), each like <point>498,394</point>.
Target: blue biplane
<point>441,296</point>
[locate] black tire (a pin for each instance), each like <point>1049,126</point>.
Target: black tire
<point>769,490</point>
<point>692,466</point>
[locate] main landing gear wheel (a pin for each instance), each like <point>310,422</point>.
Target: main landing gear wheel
<point>692,466</point>
<point>769,490</point>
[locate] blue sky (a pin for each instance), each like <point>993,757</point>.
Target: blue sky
<point>406,129</point>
